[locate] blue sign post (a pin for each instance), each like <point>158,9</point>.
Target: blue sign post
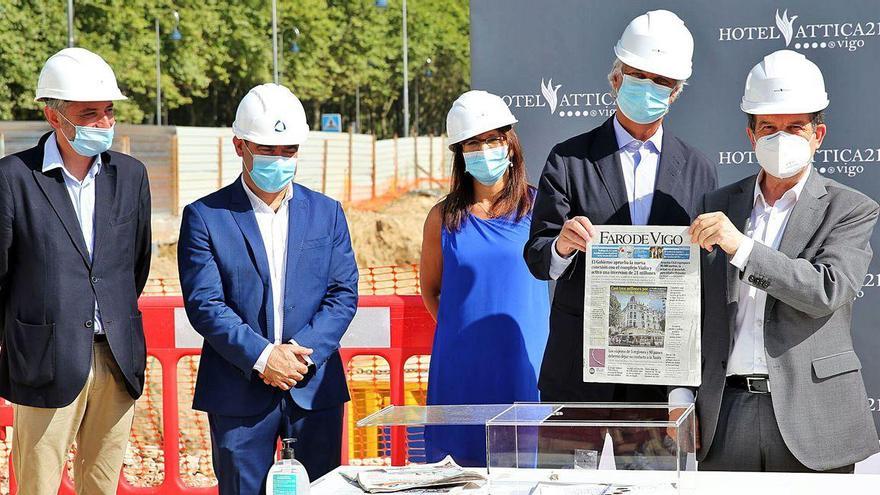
<point>331,122</point>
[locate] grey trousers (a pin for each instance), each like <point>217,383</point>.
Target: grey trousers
<point>747,438</point>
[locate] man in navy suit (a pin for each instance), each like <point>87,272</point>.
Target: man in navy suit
<point>270,281</point>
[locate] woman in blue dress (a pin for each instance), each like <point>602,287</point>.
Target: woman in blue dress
<point>492,314</point>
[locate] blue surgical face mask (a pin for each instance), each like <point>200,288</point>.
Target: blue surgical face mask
<point>642,100</point>
<point>272,173</point>
<point>487,165</point>
<point>89,141</point>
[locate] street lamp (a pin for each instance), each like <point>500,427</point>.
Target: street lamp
<point>428,74</point>
<point>357,108</point>
<point>294,47</point>
<point>69,23</point>
<point>175,36</point>
<point>384,4</point>
<point>275,39</point>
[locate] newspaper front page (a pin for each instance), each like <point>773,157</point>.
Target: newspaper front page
<point>642,307</point>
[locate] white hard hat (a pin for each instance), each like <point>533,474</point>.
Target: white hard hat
<point>76,74</point>
<point>270,114</point>
<point>474,113</point>
<point>784,82</point>
<point>657,42</point>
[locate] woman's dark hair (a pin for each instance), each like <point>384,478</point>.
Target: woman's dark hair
<point>515,197</point>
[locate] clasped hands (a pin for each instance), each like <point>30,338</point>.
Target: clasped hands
<point>708,230</point>
<point>286,366</point>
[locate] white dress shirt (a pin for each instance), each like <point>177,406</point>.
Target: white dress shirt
<point>274,229</point>
<point>766,225</point>
<point>639,161</point>
<point>82,195</point>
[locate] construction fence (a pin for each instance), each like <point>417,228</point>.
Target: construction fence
<point>186,163</point>
<point>386,352</point>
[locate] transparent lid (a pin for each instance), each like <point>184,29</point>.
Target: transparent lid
<point>590,414</point>
<point>557,414</point>
<point>434,415</point>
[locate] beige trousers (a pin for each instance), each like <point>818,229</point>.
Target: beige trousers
<point>99,420</point>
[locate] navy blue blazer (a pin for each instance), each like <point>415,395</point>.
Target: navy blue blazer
<point>48,284</point>
<point>224,274</point>
<point>583,176</point>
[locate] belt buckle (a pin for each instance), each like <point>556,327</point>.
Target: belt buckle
<point>752,381</point>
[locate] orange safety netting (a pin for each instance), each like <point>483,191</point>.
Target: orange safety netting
<point>376,203</point>
<point>370,386</point>
<point>389,280</point>
<point>374,281</point>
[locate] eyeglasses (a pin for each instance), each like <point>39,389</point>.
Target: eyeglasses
<point>660,80</point>
<point>477,144</point>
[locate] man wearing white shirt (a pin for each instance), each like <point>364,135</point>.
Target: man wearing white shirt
<point>272,220</point>
<point>74,257</point>
<point>786,253</point>
<point>270,281</point>
<point>628,171</point>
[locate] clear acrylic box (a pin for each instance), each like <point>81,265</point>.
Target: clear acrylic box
<point>571,448</point>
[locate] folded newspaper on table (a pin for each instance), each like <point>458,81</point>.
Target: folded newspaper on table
<point>642,307</point>
<point>443,474</point>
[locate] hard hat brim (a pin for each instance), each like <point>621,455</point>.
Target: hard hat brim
<point>286,139</point>
<point>782,108</point>
<point>66,96</point>
<point>680,73</point>
<point>476,131</point>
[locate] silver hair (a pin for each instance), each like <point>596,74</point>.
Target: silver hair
<point>617,73</point>
<point>55,104</point>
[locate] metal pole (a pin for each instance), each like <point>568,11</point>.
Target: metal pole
<point>69,23</point>
<point>280,57</point>
<point>417,105</point>
<point>357,109</point>
<point>275,38</point>
<point>158,76</point>
<point>405,76</point>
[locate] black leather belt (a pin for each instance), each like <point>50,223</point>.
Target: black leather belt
<point>756,384</point>
<point>100,338</point>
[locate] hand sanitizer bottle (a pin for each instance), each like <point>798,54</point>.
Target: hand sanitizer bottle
<point>287,476</point>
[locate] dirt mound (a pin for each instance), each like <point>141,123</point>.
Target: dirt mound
<point>392,235</point>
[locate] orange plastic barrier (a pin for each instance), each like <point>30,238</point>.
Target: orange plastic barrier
<point>400,326</point>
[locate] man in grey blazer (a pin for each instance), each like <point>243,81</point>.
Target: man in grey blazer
<point>786,252</point>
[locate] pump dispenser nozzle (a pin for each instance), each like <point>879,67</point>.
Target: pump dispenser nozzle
<point>287,448</point>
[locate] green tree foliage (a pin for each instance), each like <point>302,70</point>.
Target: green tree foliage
<point>345,47</point>
<point>615,313</point>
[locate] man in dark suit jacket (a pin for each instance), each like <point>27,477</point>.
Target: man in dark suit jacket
<point>628,171</point>
<point>622,173</point>
<point>270,280</point>
<point>74,257</point>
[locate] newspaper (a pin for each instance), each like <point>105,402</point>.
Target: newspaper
<point>432,478</point>
<point>642,307</point>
